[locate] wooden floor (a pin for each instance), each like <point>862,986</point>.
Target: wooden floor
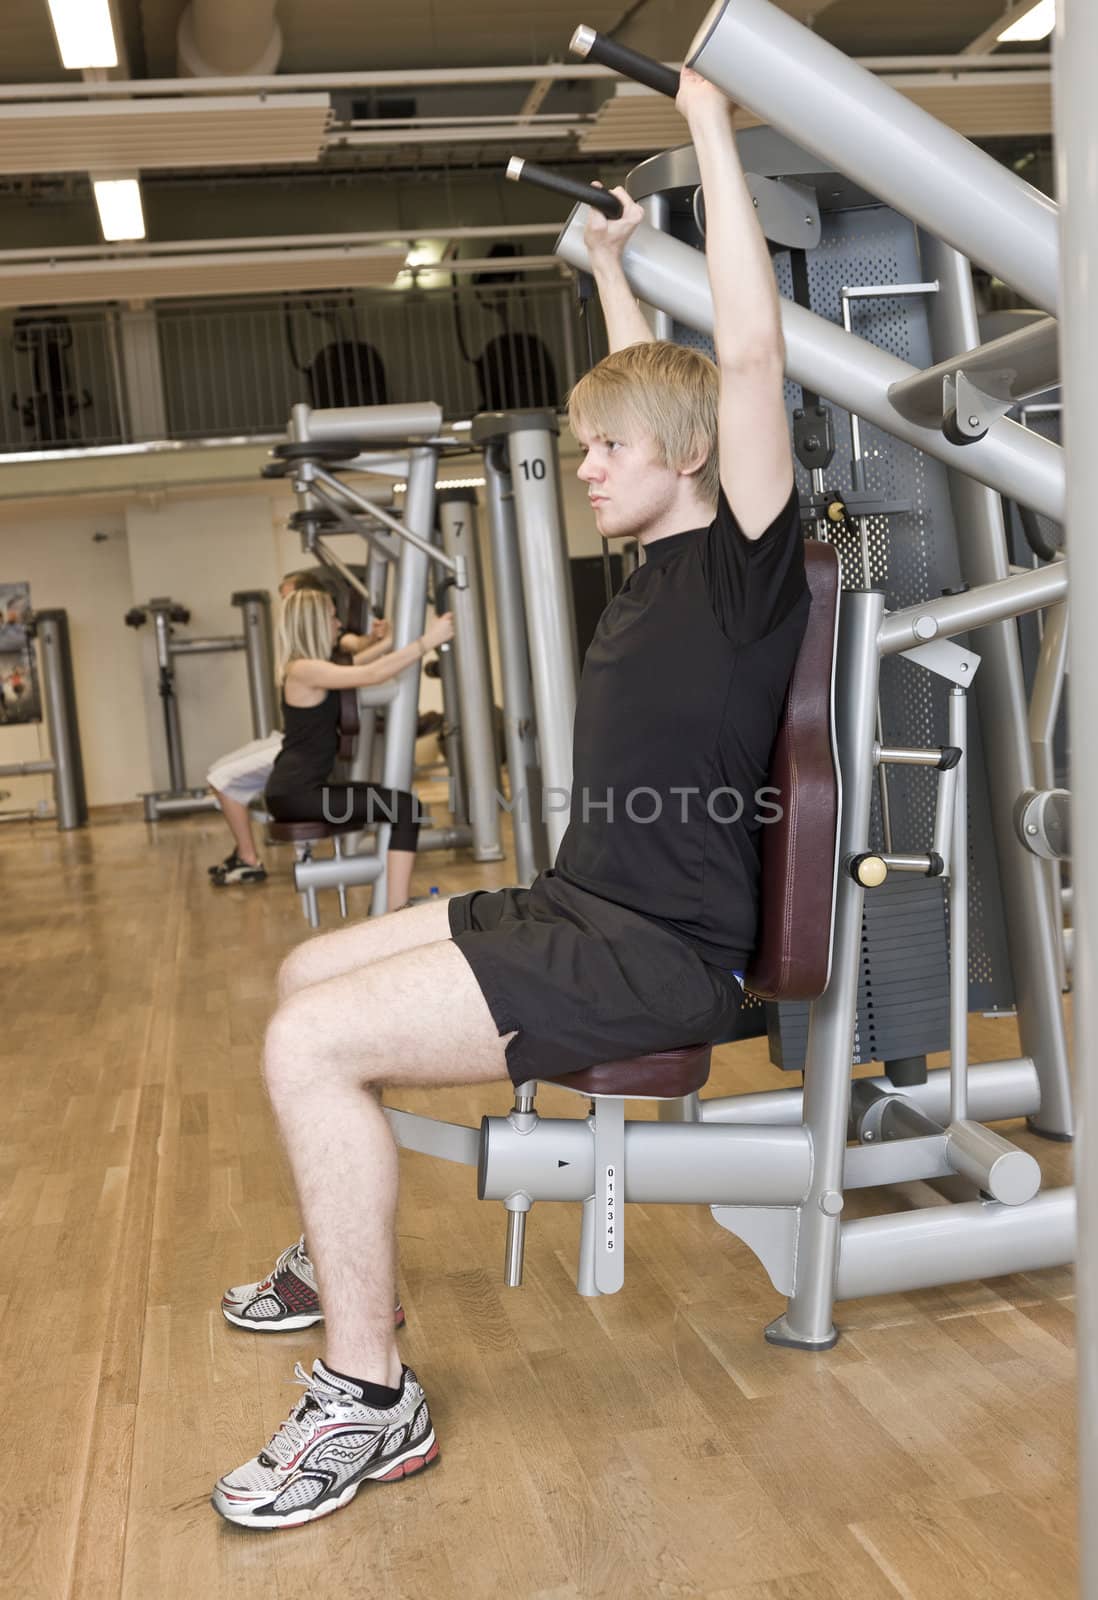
<point>649,1444</point>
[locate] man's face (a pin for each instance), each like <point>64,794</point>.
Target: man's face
<point>629,489</point>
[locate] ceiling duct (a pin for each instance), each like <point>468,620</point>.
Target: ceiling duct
<point>216,40</point>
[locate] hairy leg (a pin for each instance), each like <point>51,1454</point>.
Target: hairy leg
<point>330,1049</point>
<point>330,955</point>
<point>240,826</point>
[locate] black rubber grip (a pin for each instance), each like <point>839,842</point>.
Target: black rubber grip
<point>950,757</point>
<point>606,52</point>
<point>586,193</point>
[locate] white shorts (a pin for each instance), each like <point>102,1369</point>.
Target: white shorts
<point>243,773</point>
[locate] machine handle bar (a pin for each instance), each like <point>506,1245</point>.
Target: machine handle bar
<point>545,178</point>
<point>606,52</point>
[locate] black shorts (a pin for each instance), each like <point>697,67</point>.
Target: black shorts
<point>580,980</point>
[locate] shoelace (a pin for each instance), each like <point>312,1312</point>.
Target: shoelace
<point>300,1426</point>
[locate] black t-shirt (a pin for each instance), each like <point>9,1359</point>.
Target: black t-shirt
<point>679,703</point>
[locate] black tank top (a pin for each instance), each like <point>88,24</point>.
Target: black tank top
<point>310,742</point>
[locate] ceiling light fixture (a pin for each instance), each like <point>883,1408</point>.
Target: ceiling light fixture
<point>120,212</point>
<point>84,32</point>
<point>1037,23</point>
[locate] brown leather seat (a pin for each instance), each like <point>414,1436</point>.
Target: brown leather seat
<point>663,1075</point>
<point>793,958</point>
<point>309,832</point>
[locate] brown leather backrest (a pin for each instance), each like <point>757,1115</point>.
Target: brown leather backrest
<point>796,903</point>
<point>348,723</point>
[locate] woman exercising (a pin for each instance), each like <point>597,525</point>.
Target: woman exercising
<point>298,789</point>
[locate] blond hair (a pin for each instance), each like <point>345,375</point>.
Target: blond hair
<point>304,628</point>
<point>667,391</point>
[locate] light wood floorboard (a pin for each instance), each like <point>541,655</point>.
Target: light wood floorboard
<point>648,1444</point>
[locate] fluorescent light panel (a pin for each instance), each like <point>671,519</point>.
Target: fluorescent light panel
<point>120,213</point>
<point>84,32</point>
<point>1036,24</point>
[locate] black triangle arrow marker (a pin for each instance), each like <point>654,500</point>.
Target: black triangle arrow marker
<point>563,1164</point>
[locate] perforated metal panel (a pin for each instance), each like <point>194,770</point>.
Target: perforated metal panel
<point>910,555</point>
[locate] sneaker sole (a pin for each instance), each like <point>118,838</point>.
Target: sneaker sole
<point>302,1319</point>
<point>417,1459</point>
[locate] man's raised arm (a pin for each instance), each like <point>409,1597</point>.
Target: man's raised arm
<point>605,239</point>
<point>756,461</point>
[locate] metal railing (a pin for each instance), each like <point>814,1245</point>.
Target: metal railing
<point>235,367</point>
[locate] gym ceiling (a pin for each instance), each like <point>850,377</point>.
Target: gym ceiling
<point>330,157</point>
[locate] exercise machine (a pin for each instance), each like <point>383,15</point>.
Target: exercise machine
<point>325,451</point>
<point>775,1168</point>
<point>65,764</point>
<point>255,641</point>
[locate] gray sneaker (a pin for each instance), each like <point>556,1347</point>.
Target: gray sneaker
<point>286,1299</point>
<point>329,1446</point>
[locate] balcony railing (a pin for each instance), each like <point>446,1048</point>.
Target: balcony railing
<point>83,377</point>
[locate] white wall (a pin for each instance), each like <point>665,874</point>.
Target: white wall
<point>197,547</point>
<point>69,568</point>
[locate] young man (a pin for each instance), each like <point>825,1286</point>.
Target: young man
<point>631,944</point>
<point>241,776</point>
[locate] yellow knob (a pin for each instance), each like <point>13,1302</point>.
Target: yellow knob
<point>870,872</point>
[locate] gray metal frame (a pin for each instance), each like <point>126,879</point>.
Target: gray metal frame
<point>256,642</point>
<point>519,731</point>
<point>413,543</point>
<point>788,1212</point>
<point>530,441</point>
<point>1077,156</point>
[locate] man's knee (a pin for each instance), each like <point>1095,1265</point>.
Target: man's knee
<point>289,1049</point>
<point>293,973</point>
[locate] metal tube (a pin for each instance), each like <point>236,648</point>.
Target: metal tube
<point>550,619</point>
<point>990,602</point>
<point>1046,694</point>
<point>178,805</point>
<point>810,91</point>
<point>206,647</point>
<point>409,614</point>
<point>28,769</point>
<point>666,1163</point>
<point>59,696</point>
<point>165,681</point>
<point>406,534</point>
<point>996,1090</point>
<point>958,913</point>
<point>807,1321</point>
<point>369,424</point>
<point>516,1248</point>
<point>328,556</point>
<point>992,1163</point>
<point>1077,164</point>
<point>657,208</point>
<point>954,1243</point>
<point>845,369</point>
<point>896,756</point>
<point>457,522</point>
<point>531,852</point>
<point>1033,927</point>
<point>259,649</point>
<point>331,872</point>
<point>945,802</point>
